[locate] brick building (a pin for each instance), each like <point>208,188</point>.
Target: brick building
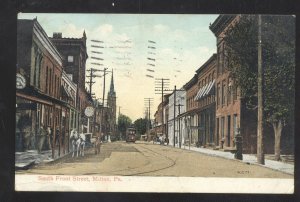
<point>158,127</point>
<point>191,116</point>
<point>206,102</point>
<point>38,101</point>
<point>74,54</point>
<point>229,105</point>
<point>231,111</point>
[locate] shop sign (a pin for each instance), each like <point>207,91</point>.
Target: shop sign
<point>20,81</point>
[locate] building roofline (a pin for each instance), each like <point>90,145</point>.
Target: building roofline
<point>210,60</point>
<point>53,50</point>
<point>77,41</point>
<point>220,23</point>
<point>190,83</point>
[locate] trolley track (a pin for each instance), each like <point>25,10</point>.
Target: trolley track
<point>117,172</point>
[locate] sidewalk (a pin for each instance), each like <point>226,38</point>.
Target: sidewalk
<point>247,158</point>
<point>24,160</point>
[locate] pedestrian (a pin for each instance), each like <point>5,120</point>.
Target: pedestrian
<point>26,137</point>
<point>160,140</point>
<point>42,134</point>
<point>97,145</point>
<point>57,136</point>
<point>50,137</point>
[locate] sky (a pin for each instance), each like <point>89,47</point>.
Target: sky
<point>139,48</point>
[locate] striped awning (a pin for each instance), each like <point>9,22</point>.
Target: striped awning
<point>206,90</point>
<point>67,92</point>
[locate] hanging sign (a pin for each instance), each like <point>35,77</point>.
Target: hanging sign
<point>20,81</point>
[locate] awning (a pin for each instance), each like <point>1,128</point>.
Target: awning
<point>67,92</point>
<point>206,90</point>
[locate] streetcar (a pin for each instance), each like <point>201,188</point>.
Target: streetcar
<point>130,134</point>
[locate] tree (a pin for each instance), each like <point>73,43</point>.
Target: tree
<point>123,123</point>
<point>141,126</point>
<point>278,60</point>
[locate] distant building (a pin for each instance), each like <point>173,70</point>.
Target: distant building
<point>178,121</point>
<point>158,126</point>
<point>191,114</point>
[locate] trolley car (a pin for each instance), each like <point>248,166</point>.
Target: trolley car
<point>130,134</point>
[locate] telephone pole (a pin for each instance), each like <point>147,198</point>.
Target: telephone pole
<point>149,102</point>
<point>160,85</point>
<point>179,134</point>
<point>92,76</point>
<point>105,72</point>
<point>174,120</point>
<point>103,98</point>
<point>260,96</point>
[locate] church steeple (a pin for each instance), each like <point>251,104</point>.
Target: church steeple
<point>84,38</point>
<point>112,86</point>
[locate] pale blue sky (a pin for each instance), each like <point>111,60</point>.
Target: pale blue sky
<point>183,43</point>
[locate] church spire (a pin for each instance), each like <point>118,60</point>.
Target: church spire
<point>112,86</point>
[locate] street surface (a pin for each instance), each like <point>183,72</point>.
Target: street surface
<point>147,159</point>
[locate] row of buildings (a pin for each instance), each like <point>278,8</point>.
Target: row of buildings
<point>209,111</point>
<point>51,91</point>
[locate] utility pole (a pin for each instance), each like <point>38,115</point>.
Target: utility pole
<point>91,76</point>
<point>180,138</point>
<point>175,105</point>
<point>260,95</point>
<point>149,102</point>
<point>104,73</point>
<point>96,46</point>
<point>160,85</point>
<point>91,82</point>
<point>103,97</point>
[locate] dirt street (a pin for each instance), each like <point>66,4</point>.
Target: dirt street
<point>140,159</point>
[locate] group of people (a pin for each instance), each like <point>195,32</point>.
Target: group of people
<point>45,138</point>
<point>161,139</point>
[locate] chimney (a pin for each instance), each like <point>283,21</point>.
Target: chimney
<point>57,35</point>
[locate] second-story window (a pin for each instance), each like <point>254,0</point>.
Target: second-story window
<point>219,94</point>
<point>223,92</point>
<point>70,58</point>
<point>46,89</point>
<point>229,91</point>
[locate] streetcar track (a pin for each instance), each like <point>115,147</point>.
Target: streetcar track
<point>148,162</point>
<point>117,172</point>
<point>155,170</point>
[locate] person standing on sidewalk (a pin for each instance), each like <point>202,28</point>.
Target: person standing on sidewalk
<point>50,137</point>
<point>42,134</point>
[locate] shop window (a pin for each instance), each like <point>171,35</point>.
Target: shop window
<point>222,126</point>
<point>217,132</point>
